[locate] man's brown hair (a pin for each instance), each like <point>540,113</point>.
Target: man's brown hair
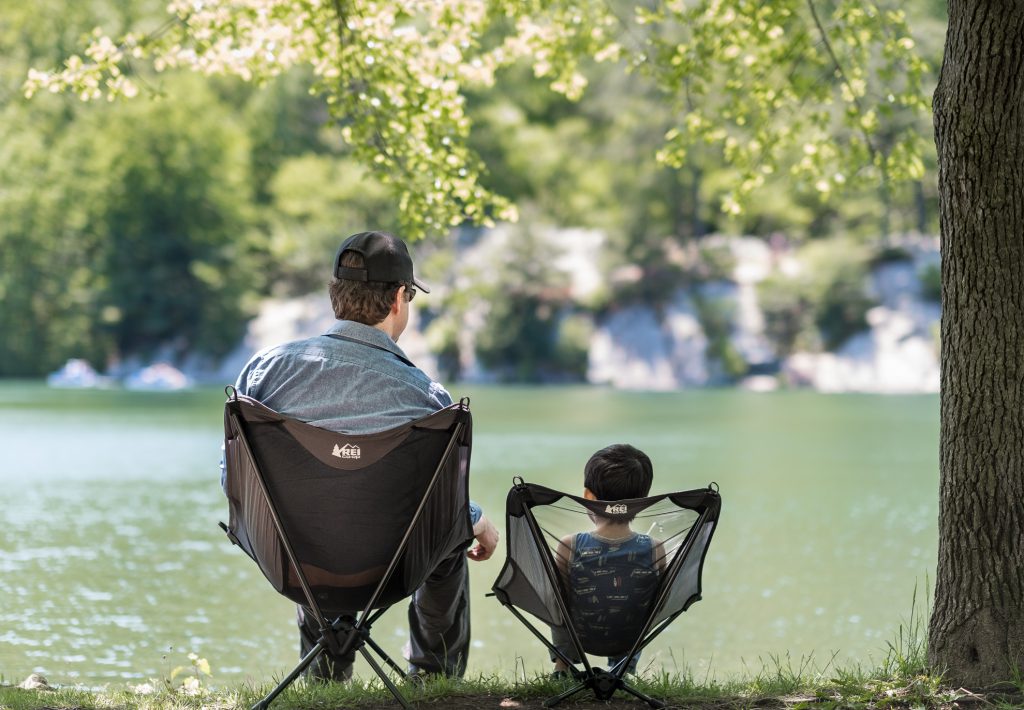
<point>367,302</point>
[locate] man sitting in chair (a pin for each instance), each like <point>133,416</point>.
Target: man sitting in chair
<point>355,379</point>
<point>609,573</point>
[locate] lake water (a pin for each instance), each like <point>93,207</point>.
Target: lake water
<point>113,569</point>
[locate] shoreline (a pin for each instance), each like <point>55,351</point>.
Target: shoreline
<point>772,688</point>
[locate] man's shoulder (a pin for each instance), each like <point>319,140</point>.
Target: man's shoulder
<point>293,346</point>
<point>274,357</point>
<point>323,373</point>
<point>415,378</point>
<point>288,347</point>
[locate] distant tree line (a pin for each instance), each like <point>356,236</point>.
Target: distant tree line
<point>157,225</point>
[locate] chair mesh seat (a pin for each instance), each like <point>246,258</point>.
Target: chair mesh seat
<point>537,577</point>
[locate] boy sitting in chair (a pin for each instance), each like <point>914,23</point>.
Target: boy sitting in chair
<point>610,573</point>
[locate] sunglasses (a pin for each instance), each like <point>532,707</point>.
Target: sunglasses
<point>410,293</point>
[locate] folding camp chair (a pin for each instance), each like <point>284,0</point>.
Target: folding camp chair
<point>346,525</point>
<point>538,518</point>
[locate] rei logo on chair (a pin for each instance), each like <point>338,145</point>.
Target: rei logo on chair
<point>347,451</point>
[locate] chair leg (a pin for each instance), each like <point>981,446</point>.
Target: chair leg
<point>384,677</point>
<point>290,678</point>
<point>319,648</point>
<point>654,703</point>
<point>385,657</point>
<point>552,702</point>
<point>363,638</point>
<point>603,685</point>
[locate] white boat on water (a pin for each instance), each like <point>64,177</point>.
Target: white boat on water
<point>159,377</point>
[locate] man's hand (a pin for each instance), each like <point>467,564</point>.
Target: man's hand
<point>486,540</point>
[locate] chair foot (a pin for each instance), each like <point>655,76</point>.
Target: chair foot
<point>296,672</point>
<point>384,678</point>
<point>651,702</point>
<point>552,702</point>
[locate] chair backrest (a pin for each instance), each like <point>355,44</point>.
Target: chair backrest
<point>611,596</point>
<point>348,507</point>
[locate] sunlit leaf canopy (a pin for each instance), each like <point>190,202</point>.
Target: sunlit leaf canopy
<point>830,91</point>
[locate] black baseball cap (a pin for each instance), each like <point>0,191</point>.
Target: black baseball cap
<point>385,257</point>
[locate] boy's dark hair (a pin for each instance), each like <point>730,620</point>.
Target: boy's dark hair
<point>618,472</point>
<point>366,302</point>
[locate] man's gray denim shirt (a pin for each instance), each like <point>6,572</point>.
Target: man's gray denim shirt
<point>353,379</point>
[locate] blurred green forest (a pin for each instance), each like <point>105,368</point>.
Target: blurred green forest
<point>158,224</point>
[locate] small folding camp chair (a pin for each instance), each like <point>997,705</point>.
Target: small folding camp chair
<point>680,527</point>
<point>346,525</point>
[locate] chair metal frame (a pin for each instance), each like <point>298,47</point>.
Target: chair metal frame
<point>346,632</point>
<point>604,683</point>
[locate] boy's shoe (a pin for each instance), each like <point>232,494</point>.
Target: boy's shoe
<point>559,675</point>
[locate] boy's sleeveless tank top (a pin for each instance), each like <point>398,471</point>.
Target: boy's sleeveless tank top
<point>611,585</point>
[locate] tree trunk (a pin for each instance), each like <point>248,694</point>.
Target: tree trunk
<point>976,635</point>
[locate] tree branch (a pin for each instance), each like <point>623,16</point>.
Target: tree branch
<point>842,76</point>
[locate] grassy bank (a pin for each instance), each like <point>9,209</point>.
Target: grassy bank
<point>778,688</point>
<point>901,680</point>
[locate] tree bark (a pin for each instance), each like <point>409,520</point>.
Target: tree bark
<point>976,634</point>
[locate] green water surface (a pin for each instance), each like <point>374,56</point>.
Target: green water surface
<point>113,569</point>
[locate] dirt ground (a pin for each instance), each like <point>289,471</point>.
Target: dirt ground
<point>494,702</point>
<point>968,701</point>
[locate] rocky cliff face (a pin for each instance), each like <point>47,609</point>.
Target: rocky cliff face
<point>897,353</point>
<point>634,348</point>
<point>637,346</point>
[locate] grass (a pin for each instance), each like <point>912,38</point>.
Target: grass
<point>779,685</point>
<point>901,680</point>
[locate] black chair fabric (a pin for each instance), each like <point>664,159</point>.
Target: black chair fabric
<point>349,507</point>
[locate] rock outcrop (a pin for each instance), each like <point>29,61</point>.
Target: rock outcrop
<point>635,349</point>
<point>637,346</point>
<point>898,354</point>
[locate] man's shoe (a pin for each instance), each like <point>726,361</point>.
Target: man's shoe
<point>418,675</point>
<point>324,670</point>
